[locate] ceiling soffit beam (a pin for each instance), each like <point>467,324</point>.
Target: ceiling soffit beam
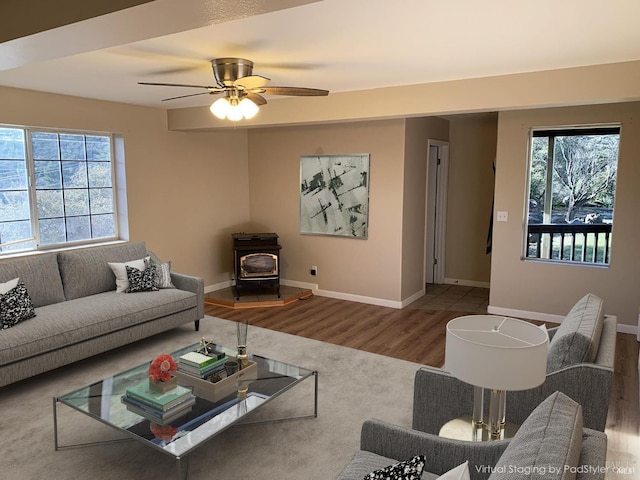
<point>599,84</point>
<point>141,22</point>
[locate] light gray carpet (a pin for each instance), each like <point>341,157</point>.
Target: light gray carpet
<point>353,386</point>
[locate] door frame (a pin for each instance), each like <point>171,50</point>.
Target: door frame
<point>439,224</point>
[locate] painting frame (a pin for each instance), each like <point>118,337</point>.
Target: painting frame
<point>334,195</point>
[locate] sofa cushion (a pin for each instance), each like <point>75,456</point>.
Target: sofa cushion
<point>11,284</point>
<point>120,272</point>
<point>39,273</point>
<point>549,440</point>
<point>406,470</point>
<point>62,324</point>
<point>578,336</point>
<point>86,272</point>
<point>461,472</point>
<point>163,274</point>
<point>363,462</point>
<point>15,306</point>
<point>141,280</point>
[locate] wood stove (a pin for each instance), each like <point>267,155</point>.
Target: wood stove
<point>256,262</point>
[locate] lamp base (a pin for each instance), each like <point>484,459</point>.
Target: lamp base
<point>464,428</point>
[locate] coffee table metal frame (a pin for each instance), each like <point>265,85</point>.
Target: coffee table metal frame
<point>101,401</point>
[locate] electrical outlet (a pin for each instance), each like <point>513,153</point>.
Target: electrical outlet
<point>502,216</point>
<point>314,270</point>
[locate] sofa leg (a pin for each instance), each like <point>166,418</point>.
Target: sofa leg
<point>197,322</point>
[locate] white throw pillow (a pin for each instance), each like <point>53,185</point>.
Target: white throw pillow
<point>120,272</point>
<point>543,327</point>
<point>6,286</point>
<point>461,472</point>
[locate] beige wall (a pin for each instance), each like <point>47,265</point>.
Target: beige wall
<point>549,288</point>
<point>186,191</point>
<point>417,133</point>
<point>470,193</point>
<point>358,267</point>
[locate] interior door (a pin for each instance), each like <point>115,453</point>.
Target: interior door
<point>432,186</point>
<point>436,210</point>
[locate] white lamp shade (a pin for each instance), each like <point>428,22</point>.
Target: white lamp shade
<point>496,352</point>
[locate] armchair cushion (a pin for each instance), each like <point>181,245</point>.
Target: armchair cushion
<point>406,470</point>
<point>549,440</point>
<point>578,336</point>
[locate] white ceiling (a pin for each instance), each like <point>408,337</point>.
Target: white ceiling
<point>339,45</point>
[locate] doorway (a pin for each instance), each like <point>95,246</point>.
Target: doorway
<point>436,210</point>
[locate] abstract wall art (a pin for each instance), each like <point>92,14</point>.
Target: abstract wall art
<point>334,195</point>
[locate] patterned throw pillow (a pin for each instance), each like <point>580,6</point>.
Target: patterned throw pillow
<point>120,272</point>
<point>163,275</point>
<point>407,470</point>
<point>15,306</point>
<point>141,280</point>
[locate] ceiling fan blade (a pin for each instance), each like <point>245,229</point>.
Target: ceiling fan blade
<point>257,99</point>
<point>208,87</point>
<point>293,91</point>
<point>190,95</point>
<point>251,82</point>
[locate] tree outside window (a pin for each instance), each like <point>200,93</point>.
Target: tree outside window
<point>56,188</point>
<point>572,180</point>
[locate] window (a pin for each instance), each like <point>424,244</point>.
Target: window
<point>56,188</point>
<point>572,183</point>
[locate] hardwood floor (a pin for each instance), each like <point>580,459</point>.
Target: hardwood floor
<point>417,333</point>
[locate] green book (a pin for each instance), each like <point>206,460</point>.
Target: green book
<point>197,359</point>
<point>159,400</point>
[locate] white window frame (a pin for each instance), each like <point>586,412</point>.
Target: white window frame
<point>576,130</point>
<point>116,188</point>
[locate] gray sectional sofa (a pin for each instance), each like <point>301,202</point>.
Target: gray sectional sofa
<point>551,444</point>
<point>80,314</point>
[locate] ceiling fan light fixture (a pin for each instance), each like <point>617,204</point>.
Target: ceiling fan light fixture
<point>234,109</point>
<point>220,108</point>
<point>235,112</point>
<point>248,108</point>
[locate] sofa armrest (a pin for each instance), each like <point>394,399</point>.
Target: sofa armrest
<point>190,284</point>
<point>437,398</point>
<point>442,454</point>
<point>593,455</point>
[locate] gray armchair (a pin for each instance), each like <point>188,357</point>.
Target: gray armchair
<point>440,397</point>
<point>551,436</point>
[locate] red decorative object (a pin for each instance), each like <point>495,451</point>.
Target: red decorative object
<point>161,368</point>
<point>163,432</point>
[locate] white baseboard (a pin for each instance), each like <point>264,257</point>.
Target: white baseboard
<point>316,291</point>
<point>466,283</point>
<point>547,317</point>
<point>380,302</point>
<point>631,329</point>
<point>218,286</point>
<point>511,312</point>
<point>296,284</point>
<point>413,297</point>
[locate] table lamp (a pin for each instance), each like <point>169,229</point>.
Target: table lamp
<point>498,353</point>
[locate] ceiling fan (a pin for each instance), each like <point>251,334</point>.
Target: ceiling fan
<point>242,90</point>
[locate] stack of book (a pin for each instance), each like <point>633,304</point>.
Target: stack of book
<point>201,365</point>
<point>161,408</point>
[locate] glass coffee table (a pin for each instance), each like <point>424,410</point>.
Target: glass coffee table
<point>212,414</point>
